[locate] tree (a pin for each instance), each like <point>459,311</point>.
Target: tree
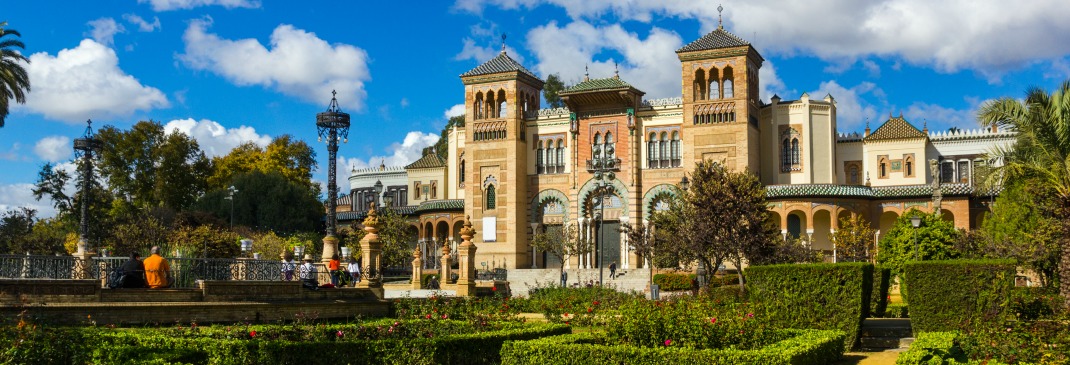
<point>265,201</point>
<point>14,81</point>
<point>854,240</point>
<point>641,240</point>
<point>203,241</point>
<point>21,232</point>
<point>1042,152</point>
<point>561,241</point>
<point>1019,228</point>
<point>15,226</point>
<point>935,240</point>
<point>442,146</point>
<point>148,167</point>
<point>295,160</point>
<point>397,236</point>
<point>50,183</point>
<point>722,217</point>
<point>552,89</point>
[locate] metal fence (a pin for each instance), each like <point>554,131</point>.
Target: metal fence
<point>185,271</point>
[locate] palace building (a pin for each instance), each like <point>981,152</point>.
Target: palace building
<point>516,168</point>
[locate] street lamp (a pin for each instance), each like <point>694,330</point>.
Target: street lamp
<point>230,196</point>
<point>685,184</point>
<point>378,191</point>
<point>332,125</point>
<point>915,221</point>
<point>602,165</point>
<point>246,246</point>
<point>299,251</point>
<point>85,147</point>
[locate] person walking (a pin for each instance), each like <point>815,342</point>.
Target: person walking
<point>332,268</point>
<point>288,266</point>
<point>613,270</point>
<point>157,270</point>
<point>307,273</point>
<point>354,269</point>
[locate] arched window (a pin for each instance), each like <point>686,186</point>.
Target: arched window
<point>883,166</point>
<point>502,109</point>
<point>675,149</point>
<point>539,165</point>
<point>714,89</point>
<point>852,175</point>
<point>726,82</point>
<point>790,151</point>
<point>490,105</point>
<point>663,153</point>
<point>785,156</point>
<point>652,151</point>
<point>609,143</point>
<point>795,151</point>
<point>908,164</point>
<point>560,156</point>
<point>700,85</point>
<point>491,203</point>
<point>462,172</point>
<point>728,88</point>
<point>477,106</point>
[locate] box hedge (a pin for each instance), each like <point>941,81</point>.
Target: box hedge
<point>958,294</point>
<point>878,300</point>
<point>802,347</point>
<point>674,281</point>
<point>819,296</point>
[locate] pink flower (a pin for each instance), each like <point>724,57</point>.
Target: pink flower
<point>668,342</point>
<point>444,316</point>
<point>396,323</point>
<point>428,316</point>
<point>713,320</point>
<point>750,315</point>
<point>339,334</point>
<point>252,333</point>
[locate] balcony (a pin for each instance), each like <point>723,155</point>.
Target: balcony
<point>595,165</point>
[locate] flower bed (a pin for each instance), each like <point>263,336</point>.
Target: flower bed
<point>797,347</point>
<point>577,306</point>
<point>387,342</point>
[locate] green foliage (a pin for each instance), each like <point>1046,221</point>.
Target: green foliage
<point>14,81</point>
<point>802,347</point>
<point>1043,342</point>
<point>878,300</point>
<point>552,89</point>
<point>151,167</point>
<point>933,348</point>
<point>398,238</point>
<point>675,281</point>
<point>204,241</point>
<point>836,296</point>
<point>958,294</point>
<point>293,159</point>
<point>689,323</point>
<point>561,241</point>
<point>21,232</point>
<point>441,148</point>
<point>1021,226</point>
<point>1033,303</point>
<point>854,239</point>
<point>138,236</point>
<point>895,310</point>
<point>266,201</point>
<point>578,306</point>
<point>478,310</point>
<point>935,240</point>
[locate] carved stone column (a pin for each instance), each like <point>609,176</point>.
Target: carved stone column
<point>417,269</point>
<point>445,258</point>
<point>466,284</point>
<point>371,250</point>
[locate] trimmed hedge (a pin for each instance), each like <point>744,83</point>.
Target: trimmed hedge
<point>803,347</point>
<point>939,348</point>
<point>958,294</point>
<point>878,300</point>
<point>897,310</point>
<point>819,296</point>
<point>675,281</point>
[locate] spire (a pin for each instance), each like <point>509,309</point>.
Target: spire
<point>382,165</point>
<point>616,71</point>
<point>925,126</point>
<point>586,74</point>
<point>867,127</point>
<point>720,21</point>
<point>503,43</point>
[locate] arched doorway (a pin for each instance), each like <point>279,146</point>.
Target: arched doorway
<point>607,203</point>
<point>822,227</point>
<point>796,225</point>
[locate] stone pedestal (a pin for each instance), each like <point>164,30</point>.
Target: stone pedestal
<point>417,269</point>
<point>330,248</point>
<point>445,279</point>
<point>371,250</point>
<point>466,284</point>
<point>83,261</point>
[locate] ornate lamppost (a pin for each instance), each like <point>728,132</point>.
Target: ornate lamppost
<point>915,221</point>
<point>332,125</point>
<point>84,148</point>
<point>602,165</point>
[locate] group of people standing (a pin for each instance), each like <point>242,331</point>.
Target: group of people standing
<point>154,272</point>
<point>308,275</point>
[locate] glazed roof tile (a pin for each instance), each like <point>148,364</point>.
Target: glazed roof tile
<point>429,161</point>
<point>895,128</point>
<point>500,63</point>
<point>718,38</point>
<point>438,205</point>
<point>861,191</point>
<point>360,215</point>
<point>608,83</point>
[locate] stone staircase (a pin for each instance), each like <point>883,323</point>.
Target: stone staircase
<point>522,280</point>
<point>879,334</point>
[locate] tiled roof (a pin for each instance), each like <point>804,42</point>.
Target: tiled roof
<point>895,128</point>
<point>360,215</point>
<point>860,191</point>
<point>608,83</point>
<point>500,63</point>
<point>719,38</point>
<point>429,161</point>
<point>439,205</point>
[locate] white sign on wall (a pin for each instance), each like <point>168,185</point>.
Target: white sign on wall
<point>490,229</point>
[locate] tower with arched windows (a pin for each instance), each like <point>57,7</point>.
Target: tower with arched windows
<point>498,95</point>
<point>720,100</point>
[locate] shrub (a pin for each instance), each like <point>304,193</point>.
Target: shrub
<point>933,348</point>
<point>1040,342</point>
<point>798,347</point>
<point>819,296</point>
<point>690,323</point>
<point>675,281</point>
<point>579,306</point>
<point>1032,303</point>
<point>478,309</point>
<point>878,300</point>
<point>722,294</point>
<point>425,279</point>
<point>958,294</point>
<point>897,310</point>
<point>724,280</point>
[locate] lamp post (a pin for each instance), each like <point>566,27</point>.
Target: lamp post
<point>602,165</point>
<point>85,147</point>
<point>230,196</point>
<point>378,191</point>
<point>332,125</point>
<point>915,221</point>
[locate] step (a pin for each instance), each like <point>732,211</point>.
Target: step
<point>885,332</point>
<point>905,342</point>
<point>880,342</point>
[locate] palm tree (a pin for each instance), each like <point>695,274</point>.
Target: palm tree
<point>14,81</point>
<point>1042,152</point>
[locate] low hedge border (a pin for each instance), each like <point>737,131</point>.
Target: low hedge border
<point>938,348</point>
<point>806,347</point>
<point>897,310</point>
<point>818,296</point>
<point>956,295</point>
<point>674,281</point>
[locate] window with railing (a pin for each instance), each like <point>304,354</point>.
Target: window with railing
<point>550,156</point>
<point>664,148</point>
<point>790,151</point>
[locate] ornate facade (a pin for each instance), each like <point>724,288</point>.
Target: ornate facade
<point>517,169</point>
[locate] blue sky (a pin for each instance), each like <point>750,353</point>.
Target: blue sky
<point>229,71</point>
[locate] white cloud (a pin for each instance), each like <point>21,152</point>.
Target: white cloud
<point>650,64</point>
<point>53,148</point>
<point>404,102</point>
<point>86,82</point>
<point>103,30</point>
<point>12,154</point>
<point>472,51</point>
<point>142,24</point>
<point>769,83</point>
<point>454,111</point>
<point>165,5</point>
<point>298,63</point>
<point>398,154</point>
<point>852,110</point>
<point>980,35</point>
<point>940,118</point>
<point>213,138</point>
<point>21,195</point>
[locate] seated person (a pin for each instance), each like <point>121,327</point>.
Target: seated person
<point>132,273</point>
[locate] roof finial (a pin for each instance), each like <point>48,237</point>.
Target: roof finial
<point>586,73</point>
<point>616,71</point>
<point>503,42</point>
<point>382,164</point>
<point>720,21</point>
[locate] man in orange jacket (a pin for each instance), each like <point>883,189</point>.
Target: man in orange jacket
<point>157,271</point>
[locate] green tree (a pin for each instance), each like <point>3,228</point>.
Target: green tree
<point>14,81</point>
<point>1019,228</point>
<point>1042,153</point>
<point>561,241</point>
<point>148,167</point>
<point>398,238</point>
<point>442,146</point>
<point>552,89</point>
<point>854,240</point>
<point>935,240</point>
<point>293,159</point>
<point>22,232</point>
<point>265,201</point>
<point>203,241</point>
<point>641,240</point>
<point>50,183</point>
